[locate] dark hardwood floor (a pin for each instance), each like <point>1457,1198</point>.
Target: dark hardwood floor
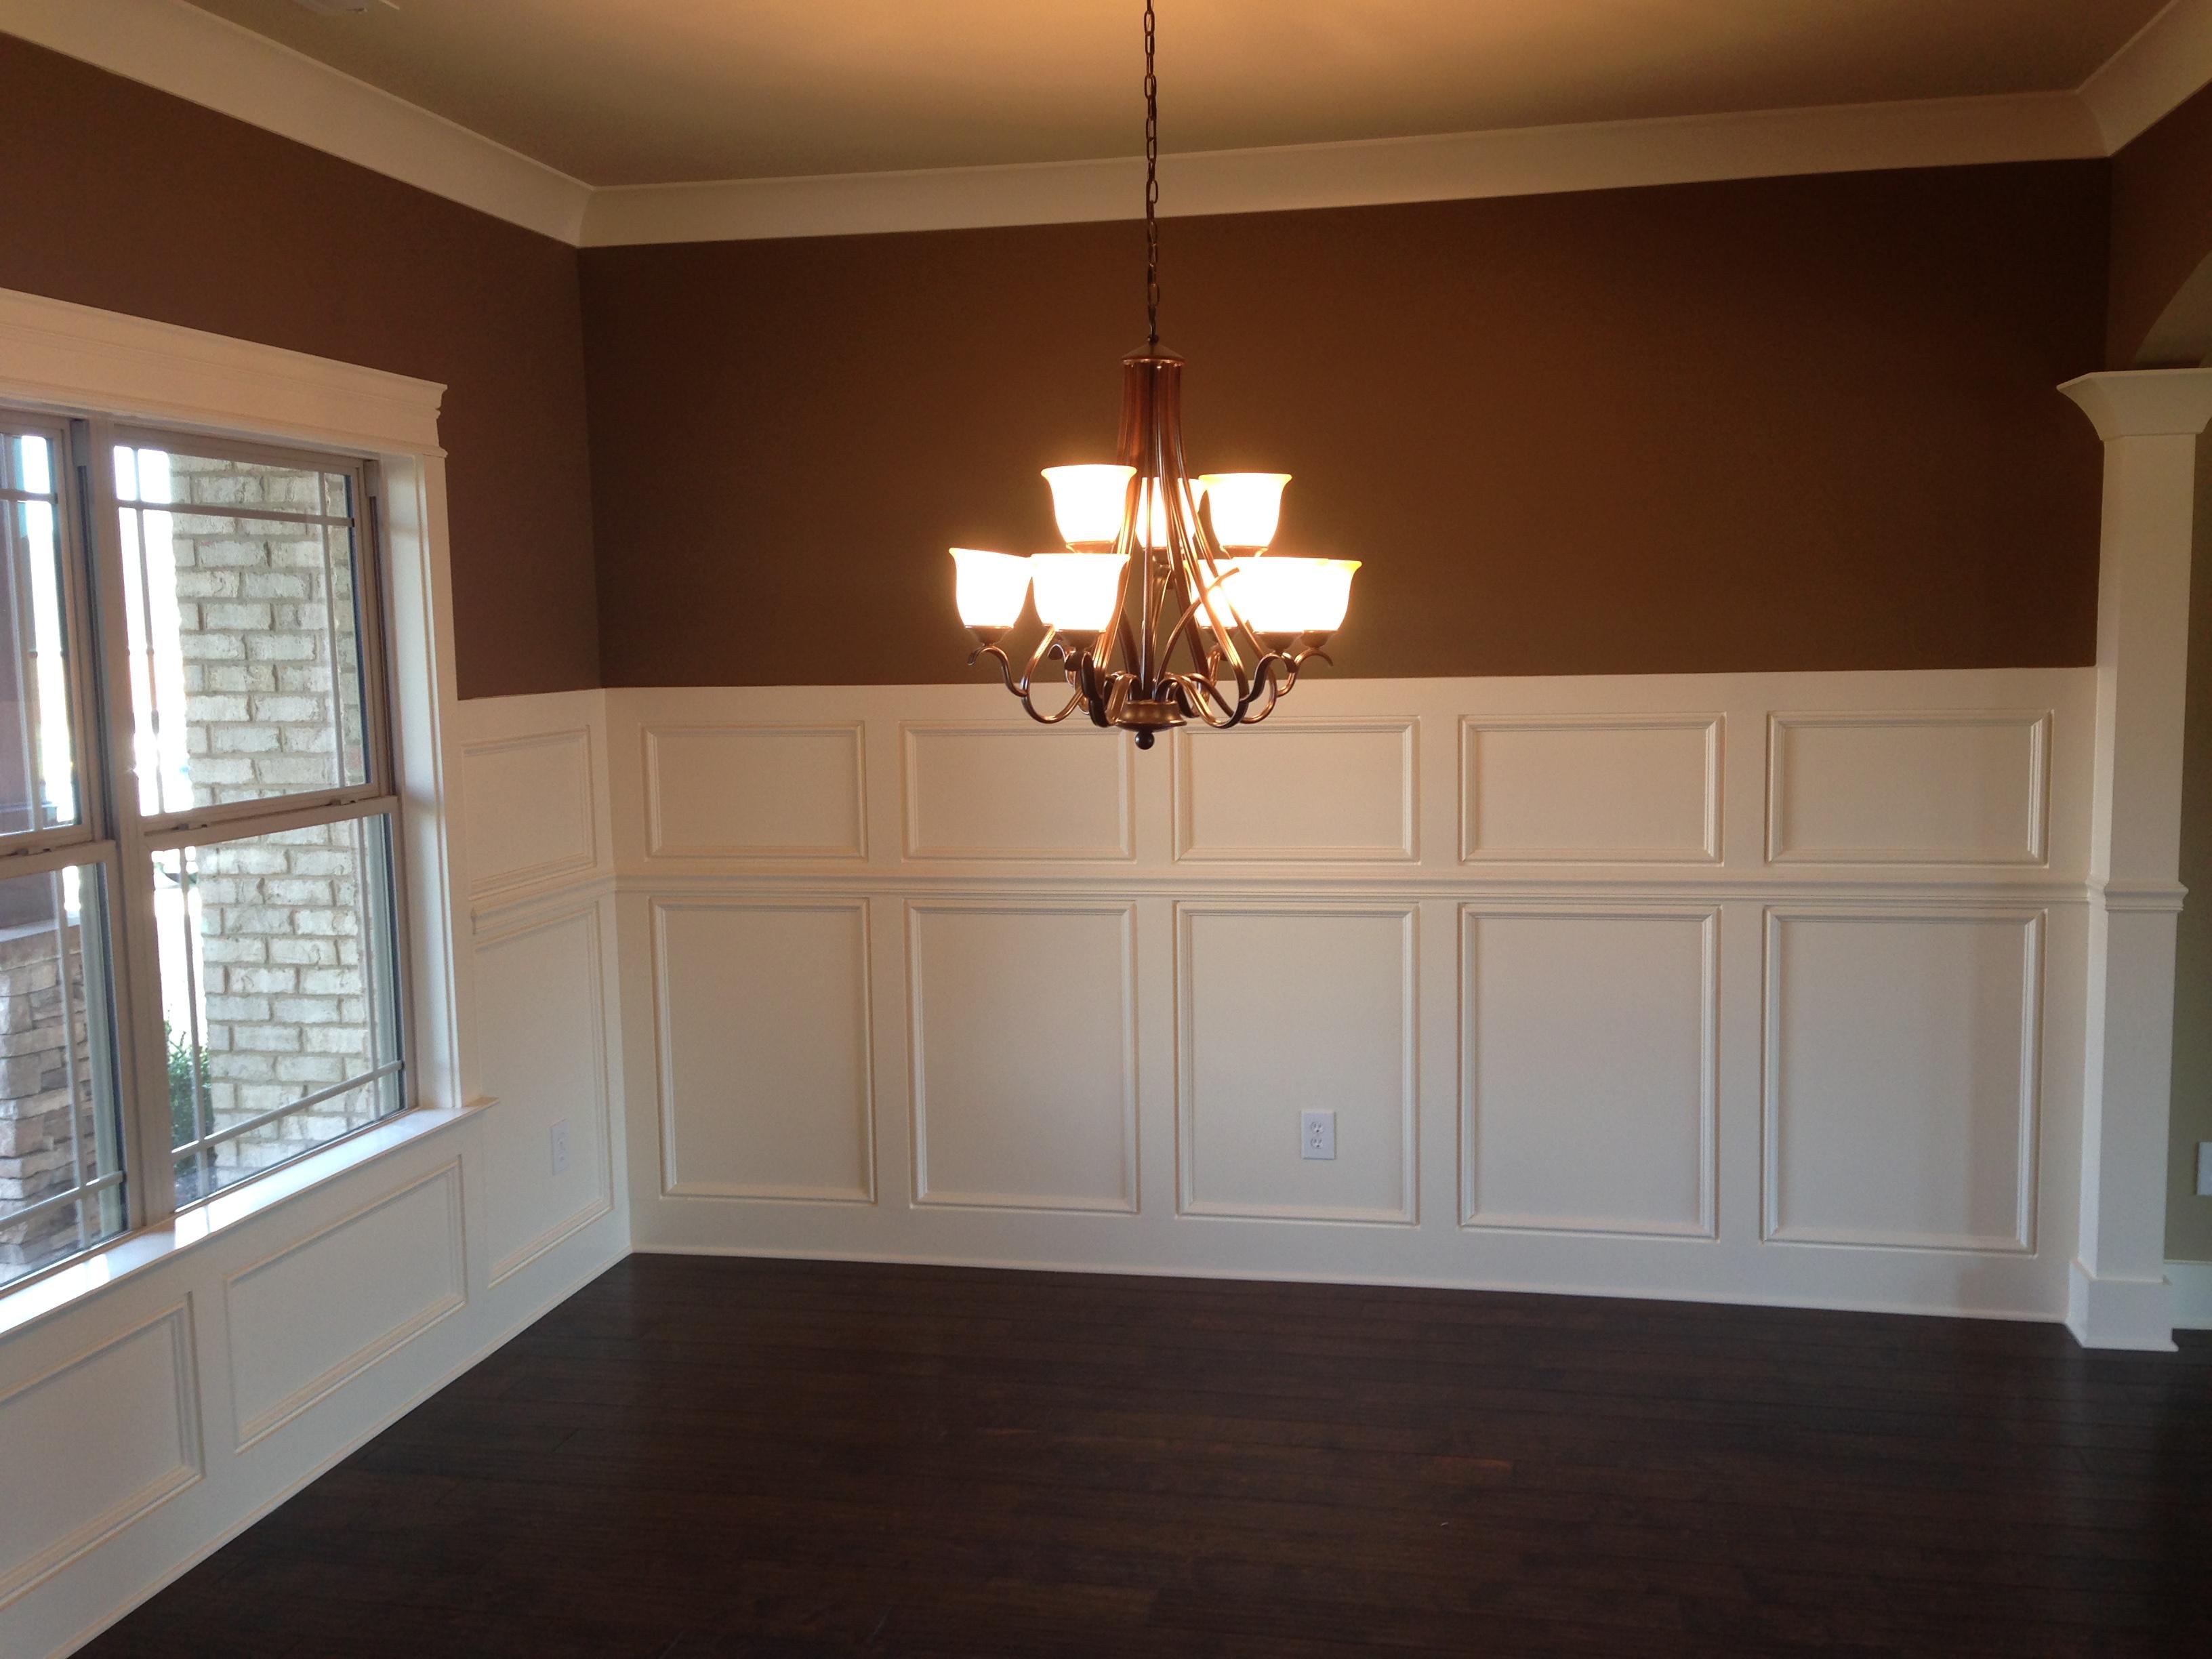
<point>698,1457</point>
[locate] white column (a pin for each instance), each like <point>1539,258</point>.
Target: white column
<point>2150,420</point>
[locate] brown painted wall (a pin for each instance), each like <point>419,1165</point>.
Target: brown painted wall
<point>1787,424</point>
<point>2161,223</point>
<point>120,197</point>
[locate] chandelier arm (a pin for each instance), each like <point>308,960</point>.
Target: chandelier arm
<point>1130,546</point>
<point>1205,591</point>
<point>1193,560</point>
<point>1201,697</point>
<point>1264,680</point>
<point>1021,688</point>
<point>1074,701</point>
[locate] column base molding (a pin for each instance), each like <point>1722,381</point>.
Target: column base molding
<point>2119,1313</point>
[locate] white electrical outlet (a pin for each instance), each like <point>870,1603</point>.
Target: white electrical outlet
<point>2204,1168</point>
<point>560,1148</point>
<point>1317,1135</point>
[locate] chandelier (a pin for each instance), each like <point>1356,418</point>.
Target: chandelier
<point>1166,606</point>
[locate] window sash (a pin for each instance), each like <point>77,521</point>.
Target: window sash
<point>383,993</point>
<point>105,507</point>
<point>88,774</point>
<point>140,835</point>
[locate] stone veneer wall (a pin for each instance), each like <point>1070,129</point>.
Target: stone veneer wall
<point>38,1153</point>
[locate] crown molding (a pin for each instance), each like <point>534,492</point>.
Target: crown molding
<point>2166,63</point>
<point>1443,167</point>
<point>177,48</point>
<point>194,55</point>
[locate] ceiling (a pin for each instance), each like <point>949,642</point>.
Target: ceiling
<point>628,92</point>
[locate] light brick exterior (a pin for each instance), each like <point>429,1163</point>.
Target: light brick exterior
<point>283,980</point>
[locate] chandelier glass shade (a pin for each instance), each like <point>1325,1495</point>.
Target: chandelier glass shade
<point>1167,605</point>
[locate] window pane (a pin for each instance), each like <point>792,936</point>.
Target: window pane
<point>61,1147</point>
<point>279,996</point>
<point>38,788</point>
<point>241,608</point>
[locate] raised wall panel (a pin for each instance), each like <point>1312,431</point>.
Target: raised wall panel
<point>1017,792</point>
<point>1901,1077</point>
<point>1288,1008</point>
<point>1296,789</point>
<point>1626,789</point>
<point>1589,1089</point>
<point>1956,787</point>
<point>761,1011</point>
<point>309,1319</point>
<point>541,1053</point>
<point>1023,1022</point>
<point>95,1443</point>
<point>529,810</point>
<point>754,792</point>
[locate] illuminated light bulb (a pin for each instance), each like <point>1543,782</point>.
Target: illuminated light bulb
<point>1087,501</point>
<point>1076,591</point>
<point>1247,506</point>
<point>1280,596</point>
<point>989,588</point>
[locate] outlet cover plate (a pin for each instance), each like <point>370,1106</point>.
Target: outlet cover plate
<point>1317,1135</point>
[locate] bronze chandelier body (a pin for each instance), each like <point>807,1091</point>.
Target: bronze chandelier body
<point>1193,634</point>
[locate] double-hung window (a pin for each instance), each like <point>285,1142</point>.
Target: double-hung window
<point>199,959</point>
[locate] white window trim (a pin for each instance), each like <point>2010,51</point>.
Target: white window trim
<point>71,358</point>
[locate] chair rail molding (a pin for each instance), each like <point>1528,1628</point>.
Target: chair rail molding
<point>2150,420</point>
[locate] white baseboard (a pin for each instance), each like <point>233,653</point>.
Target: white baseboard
<point>2193,1294</point>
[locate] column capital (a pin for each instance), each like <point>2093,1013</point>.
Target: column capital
<point>2145,403</point>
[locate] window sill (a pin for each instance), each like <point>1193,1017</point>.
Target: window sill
<point>136,1254</point>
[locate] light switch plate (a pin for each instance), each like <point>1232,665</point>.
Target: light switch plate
<point>1317,1135</point>
<point>2204,1168</point>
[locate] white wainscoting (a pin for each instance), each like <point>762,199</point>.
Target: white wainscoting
<point>1370,808</point>
<point>755,792</point>
<point>988,791</point>
<point>318,1312</point>
<point>762,1048</point>
<point>200,1377</point>
<point>1754,986</point>
<point>90,1487</point>
<point>1286,1007</point>
<point>1574,789</point>
<point>1903,1050</point>
<point>559,838</point>
<point>1023,1021</point>
<point>1628,1062</point>
<point>1834,794</point>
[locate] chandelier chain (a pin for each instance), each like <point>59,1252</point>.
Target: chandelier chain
<point>1151,186</point>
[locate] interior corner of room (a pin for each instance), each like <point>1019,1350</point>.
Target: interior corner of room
<point>497,790</point>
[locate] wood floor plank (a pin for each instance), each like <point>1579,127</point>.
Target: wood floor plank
<point>698,1458</point>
